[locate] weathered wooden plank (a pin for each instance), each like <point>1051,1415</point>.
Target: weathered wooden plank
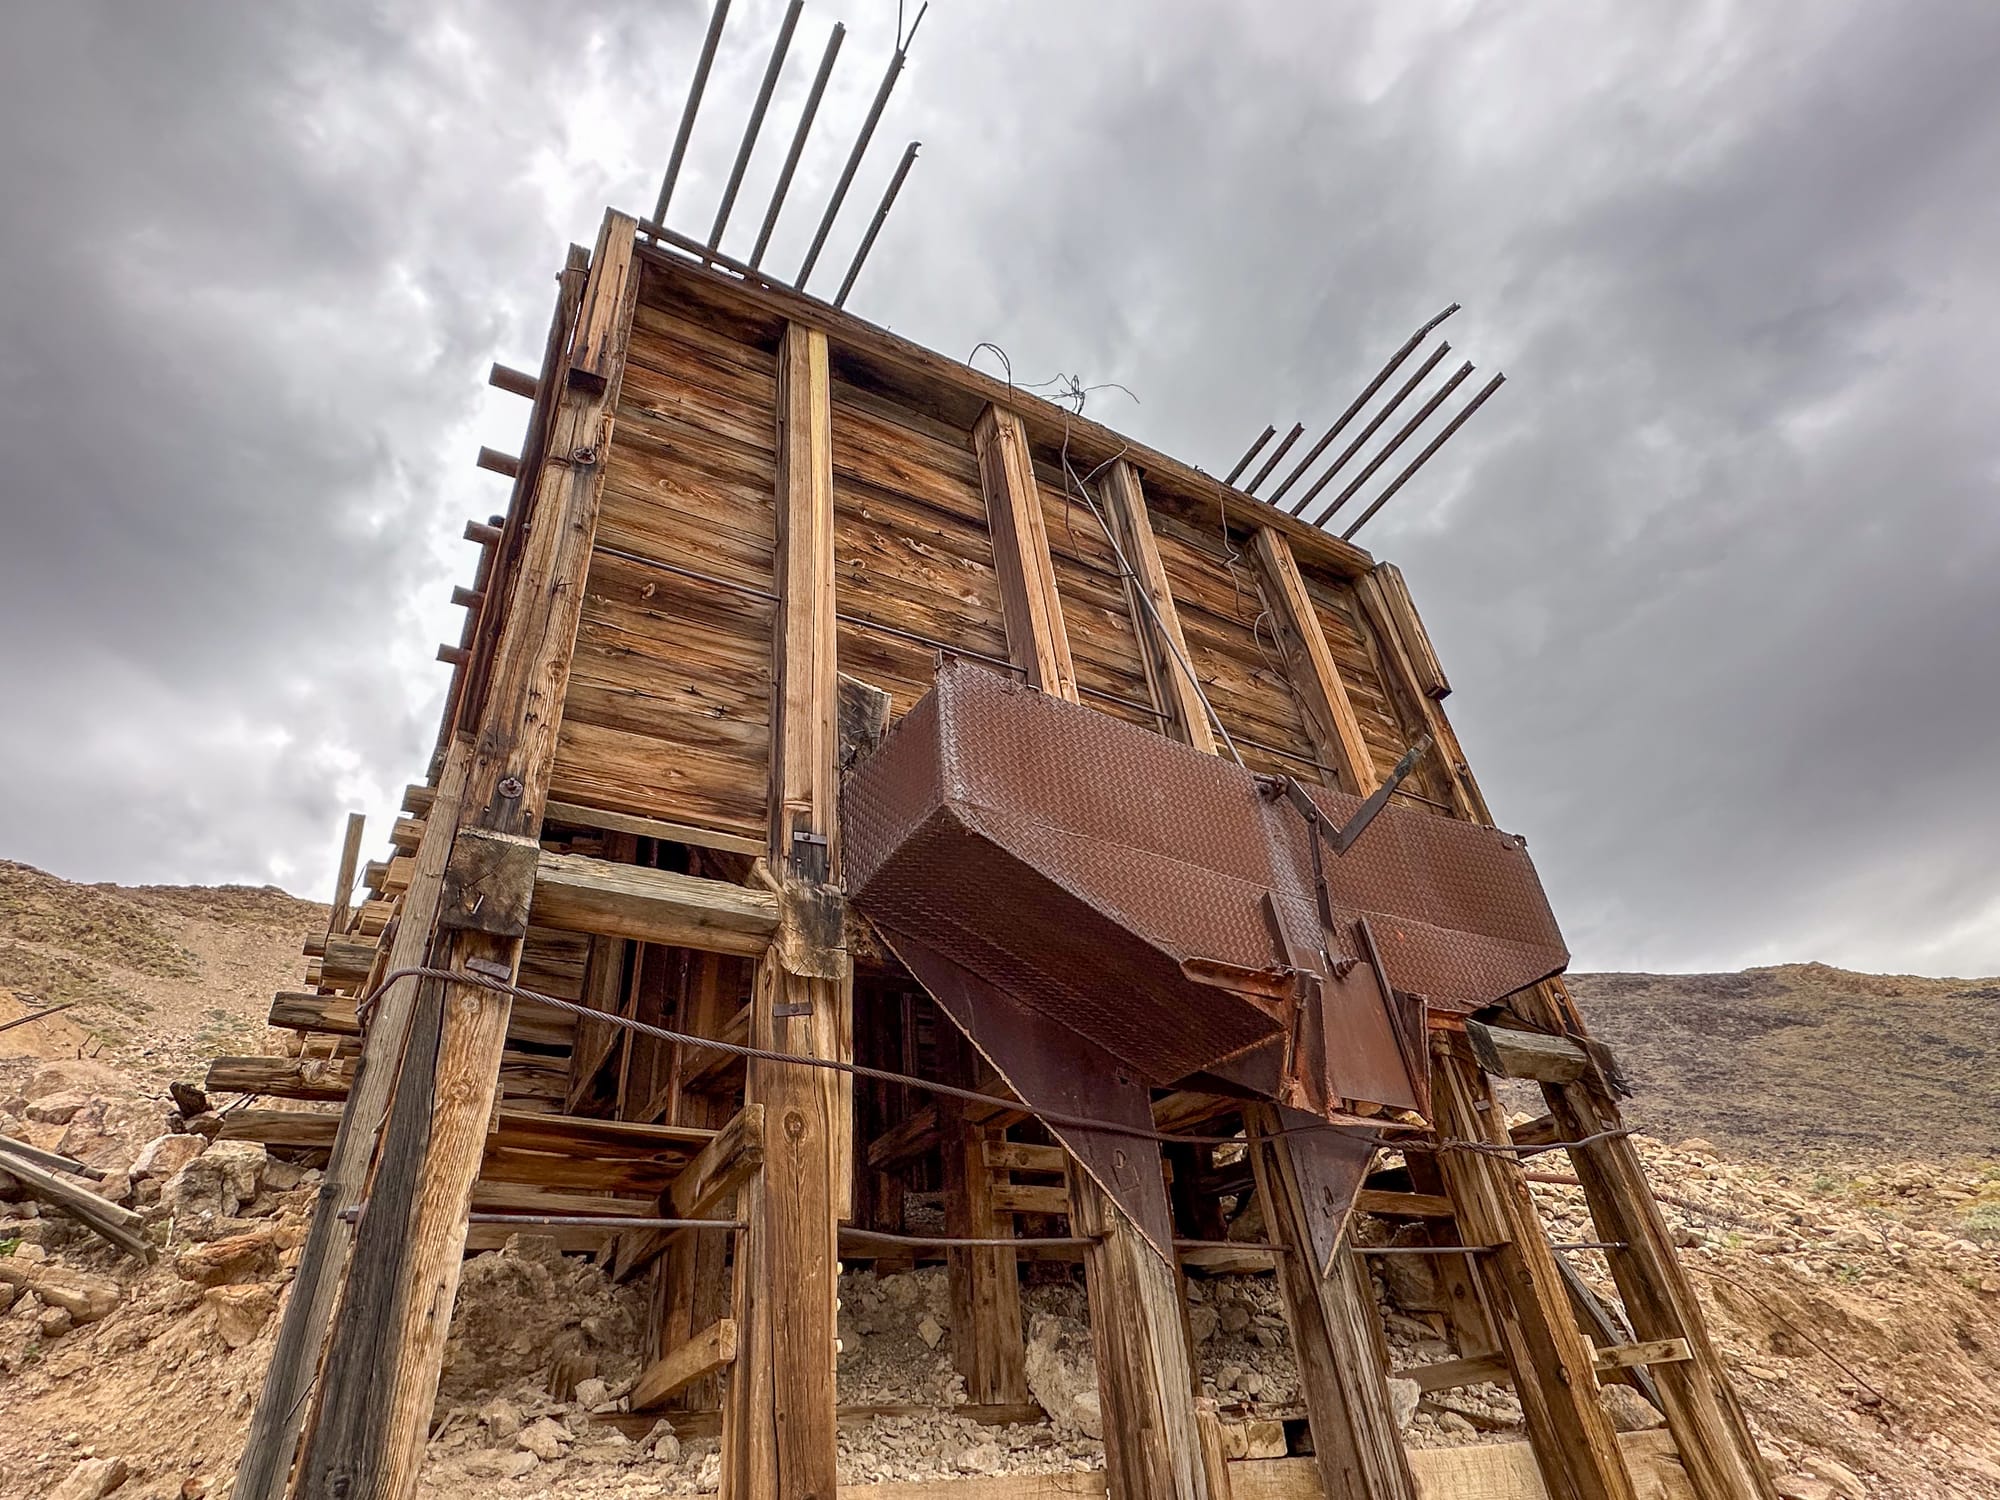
<point>1036,637</point>
<point>707,1352</point>
<point>1329,716</point>
<point>1158,617</point>
<point>581,894</point>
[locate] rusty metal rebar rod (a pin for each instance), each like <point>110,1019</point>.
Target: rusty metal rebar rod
<point>1298,431</point>
<point>756,122</point>
<point>798,143</point>
<point>1402,436</point>
<point>875,224</point>
<point>1395,363</point>
<point>1249,453</point>
<point>1422,458</point>
<point>689,110</point>
<point>882,92</point>
<point>1375,422</point>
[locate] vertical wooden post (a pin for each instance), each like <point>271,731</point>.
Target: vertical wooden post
<point>778,1405</point>
<point>1029,605</point>
<point>381,1373</point>
<point>1334,1334</point>
<point>1330,719</point>
<point>1152,1446</point>
<point>986,1337</point>
<point>1145,1379</point>
<point>295,1358</point>
<point>1155,619</point>
<point>1550,1362</point>
<point>343,880</point>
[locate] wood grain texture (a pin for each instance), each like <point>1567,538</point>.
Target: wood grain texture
<point>1037,639</point>
<point>1158,617</point>
<point>1315,678</point>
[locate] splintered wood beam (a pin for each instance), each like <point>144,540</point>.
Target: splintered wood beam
<point>1314,676</point>
<point>1508,1052</point>
<point>713,1349</point>
<point>576,893</point>
<point>724,1165</point>
<point>1398,633</point>
<point>1030,607</point>
<point>577,815</point>
<point>378,1382</point>
<point>1427,673</point>
<point>1403,1205</point>
<point>1155,617</point>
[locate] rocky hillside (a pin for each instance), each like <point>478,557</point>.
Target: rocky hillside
<point>1817,1142</point>
<point>1806,1062</point>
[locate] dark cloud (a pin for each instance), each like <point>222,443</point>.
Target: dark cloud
<point>1712,573</point>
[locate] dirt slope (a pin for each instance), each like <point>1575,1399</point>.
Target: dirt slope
<point>1825,1149</point>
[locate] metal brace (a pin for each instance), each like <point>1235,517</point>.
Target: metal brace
<point>1341,839</point>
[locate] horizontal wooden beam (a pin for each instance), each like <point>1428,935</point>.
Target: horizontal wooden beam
<point>1017,1156</point>
<point>514,382</point>
<point>1024,1198</point>
<point>713,1349</point>
<point>912,1136</point>
<point>1403,1205</point>
<point>1449,1373</point>
<point>578,894</point>
<point>1510,1053</point>
<point>495,462</point>
<point>577,815</point>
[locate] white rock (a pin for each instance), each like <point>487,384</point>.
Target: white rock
<point>544,1438</point>
<point>1843,1479</point>
<point>930,1331</point>
<point>593,1394</point>
<point>1629,1411</point>
<point>91,1479</point>
<point>1403,1396</point>
<point>164,1157</point>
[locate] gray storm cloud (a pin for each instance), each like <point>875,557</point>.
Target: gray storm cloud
<point>1713,574</point>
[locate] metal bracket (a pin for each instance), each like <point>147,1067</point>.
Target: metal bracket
<point>1341,839</point>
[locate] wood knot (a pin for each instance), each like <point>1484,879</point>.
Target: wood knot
<point>795,1124</point>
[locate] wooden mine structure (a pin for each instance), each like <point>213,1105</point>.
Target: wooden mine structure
<point>745,528</point>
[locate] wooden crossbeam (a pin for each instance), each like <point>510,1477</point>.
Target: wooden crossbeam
<point>709,1351</point>
<point>576,893</point>
<point>1403,1205</point>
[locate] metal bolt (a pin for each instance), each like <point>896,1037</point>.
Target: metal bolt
<point>585,455</point>
<point>510,786</point>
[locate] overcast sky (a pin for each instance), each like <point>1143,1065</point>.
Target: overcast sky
<point>1715,575</point>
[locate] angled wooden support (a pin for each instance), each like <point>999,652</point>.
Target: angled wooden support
<point>1029,606</point>
<point>381,1372</point>
<point>343,881</point>
<point>1155,617</point>
<point>1399,636</point>
<point>1702,1411</point>
<point>1551,1364</point>
<point>1332,1316</point>
<point>1336,732</point>
<point>710,1351</point>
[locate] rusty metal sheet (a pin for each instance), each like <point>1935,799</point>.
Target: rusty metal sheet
<point>1087,868</point>
<point>1056,1072</point>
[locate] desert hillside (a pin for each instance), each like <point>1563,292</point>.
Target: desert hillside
<point>1824,1144</point>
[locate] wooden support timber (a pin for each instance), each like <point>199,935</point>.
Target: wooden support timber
<point>745,528</point>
